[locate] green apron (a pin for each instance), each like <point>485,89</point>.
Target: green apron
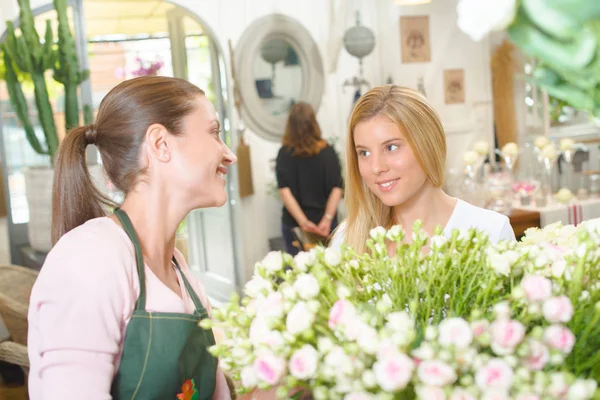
<point>163,350</point>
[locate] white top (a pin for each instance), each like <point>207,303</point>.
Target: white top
<point>464,216</point>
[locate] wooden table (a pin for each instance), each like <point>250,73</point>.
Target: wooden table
<point>521,220</point>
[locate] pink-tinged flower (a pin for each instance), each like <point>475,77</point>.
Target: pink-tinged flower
<point>495,375</point>
<point>303,363</point>
<point>456,332</point>
<point>528,396</point>
<point>538,355</point>
<point>480,327</point>
<point>394,371</point>
<point>537,288</point>
<point>506,336</point>
<point>436,373</point>
<point>269,368</point>
<point>270,306</point>
<point>559,338</point>
<point>558,309</point>
<point>430,393</point>
<point>461,394</point>
<point>341,313</point>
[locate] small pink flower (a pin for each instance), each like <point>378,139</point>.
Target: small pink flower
<point>560,338</point>
<point>303,363</point>
<point>537,288</point>
<point>479,327</point>
<point>538,355</point>
<point>495,375</point>
<point>394,371</point>
<point>506,336</point>
<point>341,312</point>
<point>430,393</point>
<point>558,309</point>
<point>436,373</point>
<point>456,332</point>
<point>269,368</point>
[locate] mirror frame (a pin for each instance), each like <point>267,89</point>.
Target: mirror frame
<point>276,26</point>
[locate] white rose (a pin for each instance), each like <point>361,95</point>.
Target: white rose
<point>456,332</point>
<point>495,375</point>
<point>500,264</point>
<point>377,233</point>
<point>549,152</point>
<point>307,286</point>
<point>477,18</point>
<point>394,371</point>
<point>470,157</point>
<point>249,378</point>
<point>273,261</point>
<point>430,393</point>
<point>304,259</point>
<point>259,329</point>
<point>566,144</point>
<point>436,373</point>
<point>369,379</point>
<point>333,257</point>
<point>257,285</point>
<point>299,318</point>
<point>303,363</point>
<point>482,147</point>
<point>270,306</point>
<point>324,344</point>
<point>582,389</point>
<point>510,149</point>
<point>367,339</point>
<point>541,142</point>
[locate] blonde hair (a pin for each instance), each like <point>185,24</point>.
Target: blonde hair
<point>420,125</point>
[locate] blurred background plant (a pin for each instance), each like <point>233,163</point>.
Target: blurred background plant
<point>563,36</point>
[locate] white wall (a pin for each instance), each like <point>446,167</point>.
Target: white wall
<point>450,48</point>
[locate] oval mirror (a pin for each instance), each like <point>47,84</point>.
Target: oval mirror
<point>279,64</point>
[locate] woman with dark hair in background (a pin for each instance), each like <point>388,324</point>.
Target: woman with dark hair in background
<point>308,177</point>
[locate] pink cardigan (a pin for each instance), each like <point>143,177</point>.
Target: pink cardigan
<point>80,306</point>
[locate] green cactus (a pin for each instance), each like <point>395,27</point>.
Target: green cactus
<point>26,54</point>
<point>66,67</point>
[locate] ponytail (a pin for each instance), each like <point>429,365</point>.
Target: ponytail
<point>75,198</point>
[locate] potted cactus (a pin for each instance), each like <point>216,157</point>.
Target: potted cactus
<point>25,54</point>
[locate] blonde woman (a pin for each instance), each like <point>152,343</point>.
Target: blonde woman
<point>396,156</point>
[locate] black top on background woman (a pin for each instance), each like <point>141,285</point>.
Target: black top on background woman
<point>309,177</point>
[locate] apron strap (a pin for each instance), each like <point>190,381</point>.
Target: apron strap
<point>140,304</point>
<point>199,307</point>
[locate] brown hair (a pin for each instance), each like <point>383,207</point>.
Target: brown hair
<point>420,125</point>
<point>302,132</point>
<point>123,117</point>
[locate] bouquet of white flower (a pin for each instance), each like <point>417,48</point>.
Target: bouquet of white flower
<point>443,318</point>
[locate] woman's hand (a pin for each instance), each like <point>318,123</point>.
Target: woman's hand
<point>324,227</point>
<point>309,226</point>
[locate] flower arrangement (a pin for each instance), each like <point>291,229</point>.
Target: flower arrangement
<point>147,68</point>
<point>440,318</point>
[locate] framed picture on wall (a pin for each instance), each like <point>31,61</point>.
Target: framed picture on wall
<point>414,36</point>
<point>454,86</point>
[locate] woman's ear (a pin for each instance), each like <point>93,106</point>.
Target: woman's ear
<point>157,142</point>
